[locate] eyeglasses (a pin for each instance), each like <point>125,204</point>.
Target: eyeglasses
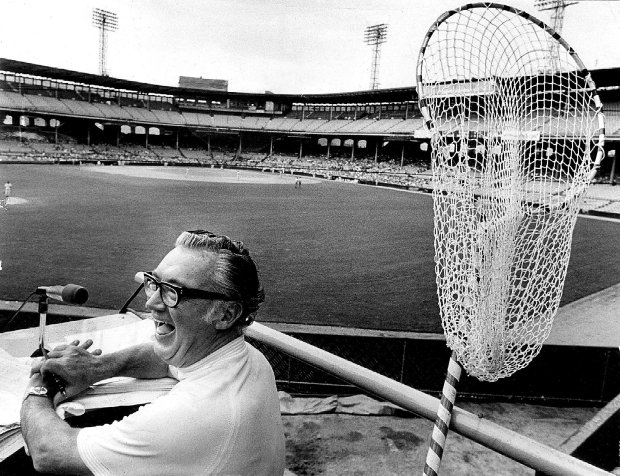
<point>171,294</point>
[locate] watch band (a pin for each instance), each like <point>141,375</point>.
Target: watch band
<point>38,391</point>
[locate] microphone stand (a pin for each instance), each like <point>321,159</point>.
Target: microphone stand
<point>42,323</point>
<point>43,306</point>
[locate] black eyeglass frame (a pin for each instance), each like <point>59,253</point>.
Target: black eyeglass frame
<point>181,291</point>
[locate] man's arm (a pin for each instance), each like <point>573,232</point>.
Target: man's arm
<point>51,442</point>
<point>79,368</point>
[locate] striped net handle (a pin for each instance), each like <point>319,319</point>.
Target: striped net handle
<point>517,134</point>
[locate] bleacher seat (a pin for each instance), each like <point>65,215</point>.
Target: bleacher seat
<point>11,100</point>
<point>307,125</point>
<point>114,111</point>
<point>79,108</point>
<point>14,147</point>
<point>332,127</point>
<point>194,154</point>
<point>204,120</point>
<point>407,126</point>
<point>166,152</point>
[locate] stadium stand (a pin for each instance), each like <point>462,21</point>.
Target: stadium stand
<point>14,147</point>
<point>14,101</point>
<point>167,153</point>
<point>250,127</point>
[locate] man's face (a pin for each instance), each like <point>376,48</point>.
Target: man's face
<point>184,334</point>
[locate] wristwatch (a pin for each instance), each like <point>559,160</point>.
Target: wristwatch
<point>38,391</point>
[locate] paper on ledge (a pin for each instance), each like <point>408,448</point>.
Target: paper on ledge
<point>14,377</point>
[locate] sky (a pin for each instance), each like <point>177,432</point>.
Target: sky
<point>283,46</point>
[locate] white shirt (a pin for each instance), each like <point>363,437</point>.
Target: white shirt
<point>223,417</point>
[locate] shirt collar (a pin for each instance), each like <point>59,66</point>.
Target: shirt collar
<point>231,349</point>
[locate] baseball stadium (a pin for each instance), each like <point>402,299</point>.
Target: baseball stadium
<point>337,196</point>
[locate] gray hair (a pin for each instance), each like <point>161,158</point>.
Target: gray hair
<point>235,270</point>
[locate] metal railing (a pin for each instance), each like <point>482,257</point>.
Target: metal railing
<point>495,437</point>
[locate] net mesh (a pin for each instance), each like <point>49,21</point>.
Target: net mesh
<point>516,134</point>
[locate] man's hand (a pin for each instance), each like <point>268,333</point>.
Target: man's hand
<point>51,442</point>
<point>73,364</point>
<point>79,368</point>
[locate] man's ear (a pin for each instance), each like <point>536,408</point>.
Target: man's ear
<point>231,313</point>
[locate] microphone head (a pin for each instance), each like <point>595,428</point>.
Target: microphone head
<point>74,294</point>
<point>139,277</point>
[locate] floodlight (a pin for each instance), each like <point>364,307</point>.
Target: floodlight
<point>105,21</point>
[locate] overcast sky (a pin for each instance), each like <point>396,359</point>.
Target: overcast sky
<point>284,46</point>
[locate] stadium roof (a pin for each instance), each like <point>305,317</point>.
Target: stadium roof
<point>605,79</point>
<point>380,95</point>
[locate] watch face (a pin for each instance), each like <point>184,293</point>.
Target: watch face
<point>38,390</point>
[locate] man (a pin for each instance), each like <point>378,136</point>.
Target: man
<point>222,417</point>
<point>8,186</point>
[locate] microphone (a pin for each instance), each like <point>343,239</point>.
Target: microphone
<point>139,277</point>
<point>71,293</point>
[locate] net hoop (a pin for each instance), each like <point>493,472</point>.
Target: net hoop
<point>600,155</point>
<point>517,134</point>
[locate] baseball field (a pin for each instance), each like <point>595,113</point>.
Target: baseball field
<point>329,253</point>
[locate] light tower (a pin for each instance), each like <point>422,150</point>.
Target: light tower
<point>374,36</point>
<point>557,8</point>
<point>105,21</point>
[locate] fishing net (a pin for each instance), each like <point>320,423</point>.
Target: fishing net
<point>516,135</point>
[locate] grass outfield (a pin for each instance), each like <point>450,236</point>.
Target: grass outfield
<point>331,253</point>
